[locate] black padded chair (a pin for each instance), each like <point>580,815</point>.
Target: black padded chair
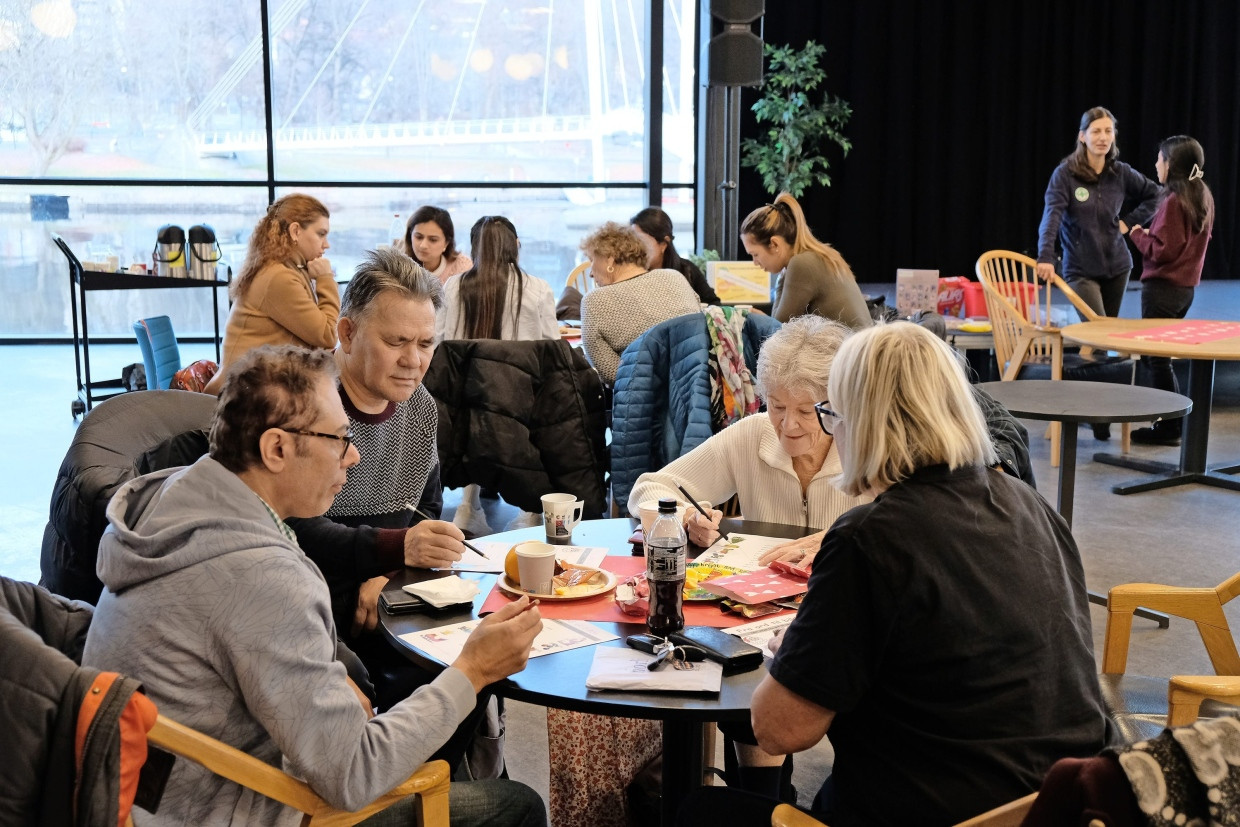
<point>122,438</point>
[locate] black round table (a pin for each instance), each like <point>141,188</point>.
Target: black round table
<point>558,680</point>
<point>1072,402</point>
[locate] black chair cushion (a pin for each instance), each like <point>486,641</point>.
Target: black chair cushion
<point>1138,705</point>
<point>1114,369</point>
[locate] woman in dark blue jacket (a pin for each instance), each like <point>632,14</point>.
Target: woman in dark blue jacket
<point>1084,198</point>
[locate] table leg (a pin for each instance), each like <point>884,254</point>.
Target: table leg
<point>1067,470</point>
<point>682,765</point>
<point>1193,446</point>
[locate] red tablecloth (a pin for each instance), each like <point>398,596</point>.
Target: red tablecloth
<point>604,608</point>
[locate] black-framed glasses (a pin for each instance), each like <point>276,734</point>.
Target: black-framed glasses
<point>346,440</point>
<point>828,419</point>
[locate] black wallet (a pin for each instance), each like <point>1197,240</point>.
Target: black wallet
<point>733,653</point>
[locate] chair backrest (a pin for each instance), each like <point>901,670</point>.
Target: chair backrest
<point>429,782</point>
<point>581,278</point>
<point>159,348</point>
<point>1019,307</point>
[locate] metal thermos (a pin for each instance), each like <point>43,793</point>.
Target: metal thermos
<point>204,252</point>
<point>169,253</point>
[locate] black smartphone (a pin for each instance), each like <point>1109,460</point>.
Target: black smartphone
<point>400,602</point>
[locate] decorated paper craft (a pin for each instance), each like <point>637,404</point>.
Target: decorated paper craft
<point>740,551</point>
<point>1186,333</point>
<point>761,586</point>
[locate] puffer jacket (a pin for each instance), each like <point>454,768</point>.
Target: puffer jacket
<point>125,437</point>
<point>526,418</point>
<point>661,408</point>
<point>43,693</point>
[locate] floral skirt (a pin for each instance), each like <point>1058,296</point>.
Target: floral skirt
<point>593,760</point>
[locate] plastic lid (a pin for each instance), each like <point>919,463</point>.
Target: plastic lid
<point>171,234</point>
<point>667,506</point>
<point>201,234</point>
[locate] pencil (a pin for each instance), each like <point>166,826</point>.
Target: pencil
<point>693,502</point>
<point>426,516</point>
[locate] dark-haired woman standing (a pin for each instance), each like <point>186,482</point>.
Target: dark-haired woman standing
<point>654,229</point>
<point>1083,202</point>
<point>1174,250</point>
<point>430,240</point>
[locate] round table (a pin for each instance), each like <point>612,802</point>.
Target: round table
<point>1117,334</point>
<point>558,680</point>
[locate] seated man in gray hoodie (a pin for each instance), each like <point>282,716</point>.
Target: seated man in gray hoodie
<point>210,602</point>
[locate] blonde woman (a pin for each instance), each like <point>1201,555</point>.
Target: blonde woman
<point>286,293</point>
<point>629,299</point>
<point>813,276</point>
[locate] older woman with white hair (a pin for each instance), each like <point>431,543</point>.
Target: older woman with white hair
<point>781,465</point>
<point>946,624</point>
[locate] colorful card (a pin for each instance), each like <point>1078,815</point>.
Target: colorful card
<point>761,586</point>
<point>1187,333</point>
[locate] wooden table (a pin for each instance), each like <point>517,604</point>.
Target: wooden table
<point>559,680</point>
<point>1106,333</point>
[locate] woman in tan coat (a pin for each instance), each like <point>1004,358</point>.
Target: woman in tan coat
<point>285,293</point>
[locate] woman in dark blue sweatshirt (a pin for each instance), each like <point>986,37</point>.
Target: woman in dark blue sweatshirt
<point>1084,198</point>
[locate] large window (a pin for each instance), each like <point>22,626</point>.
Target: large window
<point>119,117</point>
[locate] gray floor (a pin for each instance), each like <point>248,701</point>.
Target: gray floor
<point>1182,536</point>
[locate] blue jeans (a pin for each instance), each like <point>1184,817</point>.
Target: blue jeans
<point>493,803</point>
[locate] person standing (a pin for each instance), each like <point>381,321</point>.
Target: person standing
<point>1084,199</point>
<point>813,276</point>
<point>1174,250</point>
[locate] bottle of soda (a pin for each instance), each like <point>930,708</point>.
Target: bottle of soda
<point>665,571</point>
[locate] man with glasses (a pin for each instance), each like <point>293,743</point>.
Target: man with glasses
<point>210,602</point>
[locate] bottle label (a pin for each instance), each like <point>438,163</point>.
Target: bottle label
<point>665,563</point>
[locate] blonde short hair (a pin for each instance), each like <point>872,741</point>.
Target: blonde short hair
<point>906,404</point>
<point>615,241</point>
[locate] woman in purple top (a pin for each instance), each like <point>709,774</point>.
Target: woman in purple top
<point>1084,198</point>
<point>1173,249</point>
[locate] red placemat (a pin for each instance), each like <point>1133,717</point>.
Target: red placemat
<point>603,608</point>
<point>1188,333</point>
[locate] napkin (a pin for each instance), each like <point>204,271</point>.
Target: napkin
<point>444,591</point>
<point>616,668</point>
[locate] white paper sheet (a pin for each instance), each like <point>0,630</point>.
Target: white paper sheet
<point>740,551</point>
<point>444,643</point>
<point>759,632</point>
<point>615,668</point>
<point>493,554</point>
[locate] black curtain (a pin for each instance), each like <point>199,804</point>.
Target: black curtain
<point>962,109</point>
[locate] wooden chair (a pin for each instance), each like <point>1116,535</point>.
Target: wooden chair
<point>1008,815</point>
<point>429,782</point>
<point>1026,341</point>
<point>581,278</point>
<point>1139,704</point>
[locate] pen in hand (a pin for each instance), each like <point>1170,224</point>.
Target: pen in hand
<point>694,503</point>
<point>426,516</point>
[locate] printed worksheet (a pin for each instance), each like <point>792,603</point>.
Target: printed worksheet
<point>740,551</point>
<point>492,557</point>
<point>444,643</point>
<point>761,631</point>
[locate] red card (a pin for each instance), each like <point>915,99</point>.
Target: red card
<point>1187,333</point>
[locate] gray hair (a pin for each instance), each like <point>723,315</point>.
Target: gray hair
<point>387,269</point>
<point>906,404</point>
<point>798,357</point>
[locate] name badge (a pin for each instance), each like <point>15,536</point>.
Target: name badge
<point>1082,194</point>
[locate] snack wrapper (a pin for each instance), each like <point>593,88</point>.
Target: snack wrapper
<point>633,595</point>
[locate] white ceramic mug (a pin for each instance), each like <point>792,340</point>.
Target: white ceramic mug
<point>561,512</point>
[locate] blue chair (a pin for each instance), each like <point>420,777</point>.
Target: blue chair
<point>160,353</point>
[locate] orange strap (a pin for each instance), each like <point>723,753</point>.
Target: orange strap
<point>136,721</point>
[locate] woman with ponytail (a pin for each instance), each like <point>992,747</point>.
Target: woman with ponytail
<point>286,293</point>
<point>814,277</point>
<point>1174,250</point>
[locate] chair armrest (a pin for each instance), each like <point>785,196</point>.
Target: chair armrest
<point>1202,606</point>
<point>1006,815</point>
<point>785,815</point>
<point>1185,694</point>
<point>430,782</point>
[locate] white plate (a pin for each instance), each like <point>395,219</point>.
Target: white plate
<point>602,588</point>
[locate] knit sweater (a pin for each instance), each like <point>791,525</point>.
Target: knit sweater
<point>279,307</point>
<point>613,315</point>
<point>810,285</point>
<point>746,459</point>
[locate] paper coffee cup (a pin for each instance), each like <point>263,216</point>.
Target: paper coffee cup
<point>649,509</point>
<point>561,513</point>
<point>535,566</point>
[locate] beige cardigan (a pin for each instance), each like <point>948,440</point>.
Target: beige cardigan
<point>280,307</point>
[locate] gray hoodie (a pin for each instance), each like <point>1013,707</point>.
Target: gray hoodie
<point>229,626</point>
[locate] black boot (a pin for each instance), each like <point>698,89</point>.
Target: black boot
<point>1164,432</point>
<point>1102,430</point>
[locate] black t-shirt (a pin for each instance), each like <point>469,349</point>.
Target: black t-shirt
<point>947,625</point>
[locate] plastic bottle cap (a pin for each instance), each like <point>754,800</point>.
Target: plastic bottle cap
<point>667,506</point>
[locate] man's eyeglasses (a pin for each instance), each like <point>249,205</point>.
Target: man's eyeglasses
<point>828,419</point>
<point>347,439</point>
